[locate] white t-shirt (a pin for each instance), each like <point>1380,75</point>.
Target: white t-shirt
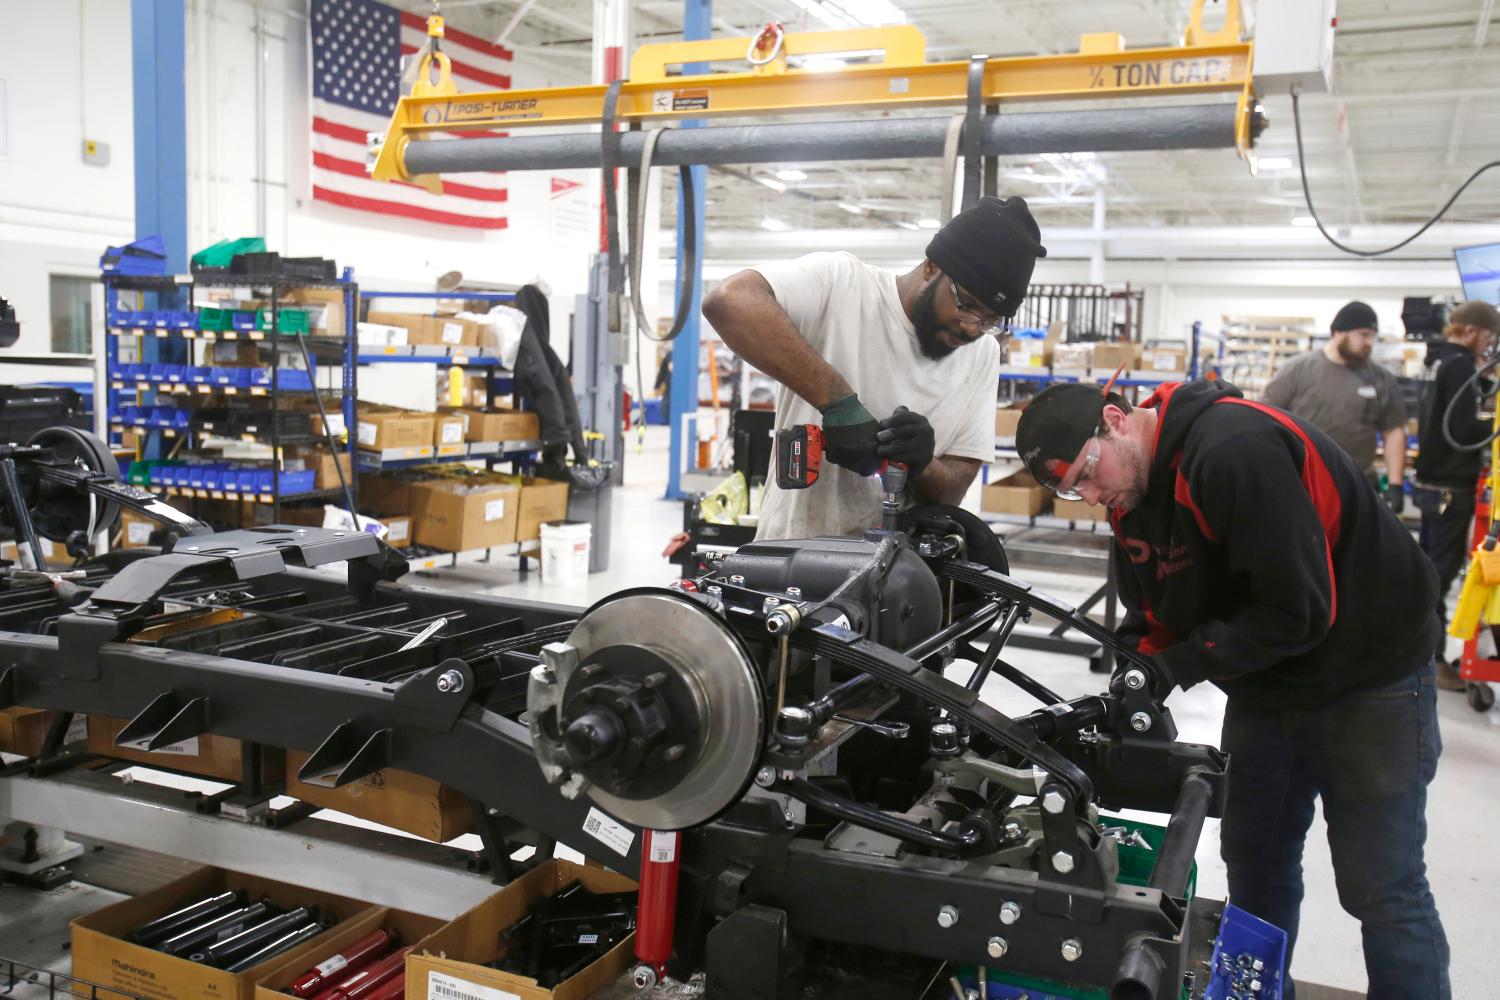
<point>851,315</point>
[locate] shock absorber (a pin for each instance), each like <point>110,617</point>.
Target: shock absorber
<point>656,916</point>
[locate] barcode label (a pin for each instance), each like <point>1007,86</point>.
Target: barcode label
<point>588,939</point>
<point>663,846</point>
<point>494,510</point>
<point>187,748</point>
<point>447,988</point>
<point>612,834</point>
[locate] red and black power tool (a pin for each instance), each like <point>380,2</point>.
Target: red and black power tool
<point>799,458</point>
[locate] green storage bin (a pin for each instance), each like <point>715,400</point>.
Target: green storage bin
<point>139,473</point>
<point>290,321</point>
<point>1136,862</point>
<point>222,252</point>
<point>214,320</point>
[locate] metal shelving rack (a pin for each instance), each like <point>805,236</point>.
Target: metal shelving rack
<point>179,341</point>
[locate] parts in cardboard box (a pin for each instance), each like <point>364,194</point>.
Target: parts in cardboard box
<point>566,932</point>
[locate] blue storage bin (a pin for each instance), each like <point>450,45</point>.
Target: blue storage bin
<point>157,373</point>
<point>158,475</point>
<point>180,419</point>
<point>244,320</point>
<point>185,319</point>
<point>297,482</point>
<point>199,375</point>
<point>142,373</point>
<point>255,481</point>
<point>213,478</point>
<point>1243,934</point>
<point>176,374</point>
<point>130,415</point>
<point>195,475</point>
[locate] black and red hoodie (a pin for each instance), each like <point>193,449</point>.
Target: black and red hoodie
<point>1261,560</point>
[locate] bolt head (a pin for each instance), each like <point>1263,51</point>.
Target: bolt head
<point>765,777</point>
<point>737,579</point>
<point>947,916</point>
<point>1140,722</point>
<point>1010,912</point>
<point>795,593</point>
<point>644,977</point>
<point>1072,949</point>
<point>996,947</point>
<point>1054,802</point>
<point>1135,679</point>
<point>1063,861</point>
<point>450,681</point>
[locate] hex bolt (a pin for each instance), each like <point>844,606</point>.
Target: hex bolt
<point>737,579</point>
<point>1140,722</point>
<point>1072,949</point>
<point>996,947</point>
<point>1063,861</point>
<point>450,682</point>
<point>765,777</point>
<point>715,589</point>
<point>947,916</point>
<point>1135,679</point>
<point>1013,831</point>
<point>770,604</point>
<point>1010,912</point>
<point>1053,801</point>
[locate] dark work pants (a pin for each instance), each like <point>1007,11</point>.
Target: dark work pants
<point>1369,755</point>
<point>1445,537</point>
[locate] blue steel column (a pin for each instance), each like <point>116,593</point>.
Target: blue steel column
<point>697,24</point>
<point>159,84</point>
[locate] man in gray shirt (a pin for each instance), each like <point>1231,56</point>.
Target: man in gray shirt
<point>1344,394</point>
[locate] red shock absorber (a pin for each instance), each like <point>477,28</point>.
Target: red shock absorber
<point>656,915</point>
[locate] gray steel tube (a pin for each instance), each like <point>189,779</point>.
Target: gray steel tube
<point>1198,126</point>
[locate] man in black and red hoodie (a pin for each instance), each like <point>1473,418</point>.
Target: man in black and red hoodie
<point>1251,552</point>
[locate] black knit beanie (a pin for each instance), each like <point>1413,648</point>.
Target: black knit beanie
<point>1354,316</point>
<point>990,250</point>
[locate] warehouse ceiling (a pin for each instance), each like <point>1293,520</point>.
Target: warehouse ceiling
<point>1411,115</point>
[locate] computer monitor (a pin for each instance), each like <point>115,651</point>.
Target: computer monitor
<point>1479,271</point>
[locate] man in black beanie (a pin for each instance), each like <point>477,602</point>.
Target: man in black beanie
<point>894,367</point>
<point>1354,400</point>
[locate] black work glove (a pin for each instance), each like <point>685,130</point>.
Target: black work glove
<point>906,437</point>
<point>1395,497</point>
<point>849,435</point>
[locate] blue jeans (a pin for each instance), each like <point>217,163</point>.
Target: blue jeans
<point>1370,756</point>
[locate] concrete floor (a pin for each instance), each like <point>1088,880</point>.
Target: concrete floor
<point>1463,812</point>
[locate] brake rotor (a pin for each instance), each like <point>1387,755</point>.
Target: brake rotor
<point>654,707</point>
<point>57,511</point>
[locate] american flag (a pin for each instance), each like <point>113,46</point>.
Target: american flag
<point>357,47</point>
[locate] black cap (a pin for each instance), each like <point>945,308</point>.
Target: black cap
<point>1056,425</point>
<point>990,250</point>
<point>1354,316</point>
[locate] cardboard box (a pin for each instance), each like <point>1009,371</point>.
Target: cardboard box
<point>1164,359</point>
<point>447,428</point>
<point>409,928</point>
<point>1017,493</point>
<point>384,495</point>
<point>136,529</point>
<point>320,460</point>
<point>501,425</point>
<point>451,961</point>
<point>1007,419</point>
<point>476,392</point>
<point>447,331</point>
<point>1072,357</point>
<point>102,955</point>
<point>1077,510</point>
<point>414,324</point>
<point>458,515</point>
<point>382,335</point>
<point>393,798</point>
<point>209,755</point>
<point>541,500</point>
<point>325,308</point>
<point>234,354</point>
<point>54,554</point>
<point>397,531</point>
<point>383,427</point>
<point>24,730</point>
<point>1113,356</point>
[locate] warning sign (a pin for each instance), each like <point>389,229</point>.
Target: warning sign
<point>666,101</point>
<point>1160,72</point>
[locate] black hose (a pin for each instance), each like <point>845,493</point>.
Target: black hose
<point>1174,860</point>
<point>1462,393</point>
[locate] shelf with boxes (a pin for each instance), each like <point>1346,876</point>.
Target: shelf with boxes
<point>219,387</point>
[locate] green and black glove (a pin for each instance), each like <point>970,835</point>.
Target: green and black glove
<point>907,437</point>
<point>849,435</point>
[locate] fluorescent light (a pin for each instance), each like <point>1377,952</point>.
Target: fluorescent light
<point>1304,222</point>
<point>772,183</point>
<point>825,64</point>
<point>852,209</point>
<point>928,223</point>
<point>1275,163</point>
<point>791,174</point>
<point>774,225</point>
<point>907,225</point>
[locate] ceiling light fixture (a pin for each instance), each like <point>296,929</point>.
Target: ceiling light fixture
<point>772,183</point>
<point>907,225</point>
<point>928,223</point>
<point>852,209</point>
<point>774,225</point>
<point>791,174</point>
<point>853,13</point>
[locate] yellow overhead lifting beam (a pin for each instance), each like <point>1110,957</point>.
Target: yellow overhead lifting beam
<point>1206,63</point>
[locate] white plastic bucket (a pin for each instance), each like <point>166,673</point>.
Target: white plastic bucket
<point>565,552</point>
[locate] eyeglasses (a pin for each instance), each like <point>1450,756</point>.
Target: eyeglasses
<point>988,323</point>
<point>1086,469</point>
